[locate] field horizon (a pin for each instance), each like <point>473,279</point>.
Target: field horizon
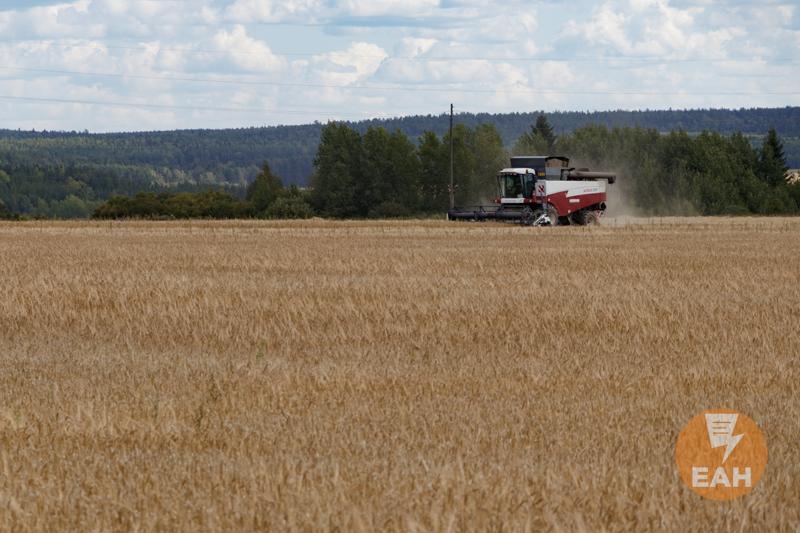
<point>390,375</point>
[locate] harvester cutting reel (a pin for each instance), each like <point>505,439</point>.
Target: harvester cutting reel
<point>539,217</point>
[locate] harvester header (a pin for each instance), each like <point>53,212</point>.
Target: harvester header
<point>544,191</point>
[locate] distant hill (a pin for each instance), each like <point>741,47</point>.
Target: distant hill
<point>511,125</point>
<point>233,156</point>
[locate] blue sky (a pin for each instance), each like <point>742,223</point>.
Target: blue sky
<point>113,65</point>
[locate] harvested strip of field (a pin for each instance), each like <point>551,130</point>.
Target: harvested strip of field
<point>390,375</point>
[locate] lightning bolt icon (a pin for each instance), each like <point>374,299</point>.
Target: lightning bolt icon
<point>720,432</point>
<point>732,442</point>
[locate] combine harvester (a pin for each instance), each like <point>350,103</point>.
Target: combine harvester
<point>544,191</point>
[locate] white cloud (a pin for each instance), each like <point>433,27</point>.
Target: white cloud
<point>461,51</point>
<point>248,11</point>
<point>655,28</point>
<point>382,8</point>
<point>345,67</point>
<point>650,27</point>
<point>245,52</point>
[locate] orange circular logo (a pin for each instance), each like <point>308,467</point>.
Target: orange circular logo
<point>721,454</point>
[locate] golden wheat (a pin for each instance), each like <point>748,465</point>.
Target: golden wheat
<point>390,375</point>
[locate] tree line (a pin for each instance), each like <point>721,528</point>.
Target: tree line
<point>678,173</point>
<point>380,174</point>
<point>386,174</point>
<point>74,191</point>
<point>231,157</point>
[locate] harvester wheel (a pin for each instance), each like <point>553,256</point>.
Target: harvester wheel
<point>591,218</point>
<point>584,218</point>
<point>529,216</point>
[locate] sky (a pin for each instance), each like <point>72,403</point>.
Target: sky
<point>132,65</point>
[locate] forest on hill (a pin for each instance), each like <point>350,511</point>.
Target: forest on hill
<point>69,174</point>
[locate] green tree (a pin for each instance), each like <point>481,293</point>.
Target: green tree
<point>71,207</point>
<point>478,154</point>
<point>543,128</point>
<point>264,190</point>
<point>291,204</point>
<point>181,205</point>
<point>289,207</point>
<point>406,168</point>
<point>464,178</point>
<point>206,204</point>
<point>772,159</point>
<point>541,139</point>
<point>338,178</point>
<point>390,173</point>
<point>376,174</point>
<point>5,212</point>
<point>434,175</point>
<point>42,209</point>
<point>490,158</point>
<point>217,204</point>
<point>530,144</point>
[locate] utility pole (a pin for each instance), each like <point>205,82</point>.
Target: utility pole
<point>452,186</point>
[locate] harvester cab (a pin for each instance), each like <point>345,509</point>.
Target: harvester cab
<point>544,191</point>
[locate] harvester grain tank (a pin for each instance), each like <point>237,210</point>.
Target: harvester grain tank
<point>544,191</point>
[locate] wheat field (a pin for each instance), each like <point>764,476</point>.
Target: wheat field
<point>390,376</point>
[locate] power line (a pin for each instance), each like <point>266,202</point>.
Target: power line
<point>397,88</point>
<point>32,99</point>
<point>417,58</point>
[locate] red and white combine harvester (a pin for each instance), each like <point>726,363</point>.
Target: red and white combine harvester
<point>544,191</point>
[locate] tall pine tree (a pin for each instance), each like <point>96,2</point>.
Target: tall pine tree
<point>543,128</point>
<point>772,160</point>
<point>541,140</point>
